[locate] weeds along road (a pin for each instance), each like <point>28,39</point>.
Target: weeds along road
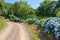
<point>14,31</point>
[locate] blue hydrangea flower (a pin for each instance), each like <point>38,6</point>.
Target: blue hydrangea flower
<point>57,35</point>
<point>53,26</point>
<point>56,29</point>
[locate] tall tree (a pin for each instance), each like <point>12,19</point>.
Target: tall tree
<point>41,11</point>
<point>48,8</point>
<point>21,9</point>
<point>1,6</point>
<point>55,10</point>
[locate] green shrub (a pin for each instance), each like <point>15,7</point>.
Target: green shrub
<point>42,20</point>
<point>30,20</point>
<point>58,12</point>
<point>37,22</point>
<point>12,17</point>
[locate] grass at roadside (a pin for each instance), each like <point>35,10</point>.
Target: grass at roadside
<point>32,30</point>
<point>2,23</point>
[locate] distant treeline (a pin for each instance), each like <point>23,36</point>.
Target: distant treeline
<point>23,10</point>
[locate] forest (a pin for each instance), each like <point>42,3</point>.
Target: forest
<point>23,10</point>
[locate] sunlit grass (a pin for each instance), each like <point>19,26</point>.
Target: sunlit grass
<point>2,23</point>
<point>32,31</point>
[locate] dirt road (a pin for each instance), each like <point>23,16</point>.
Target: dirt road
<point>14,31</point>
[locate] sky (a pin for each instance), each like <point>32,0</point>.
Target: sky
<point>33,3</point>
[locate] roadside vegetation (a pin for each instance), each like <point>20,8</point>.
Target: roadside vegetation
<point>2,23</point>
<point>46,16</point>
<point>32,30</point>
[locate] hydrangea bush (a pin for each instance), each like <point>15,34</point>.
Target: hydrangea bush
<point>30,20</point>
<point>33,20</point>
<point>37,22</point>
<point>52,25</point>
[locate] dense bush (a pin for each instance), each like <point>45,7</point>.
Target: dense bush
<point>58,13</point>
<point>52,26</point>
<point>33,20</point>
<point>12,17</point>
<point>18,20</point>
<point>37,22</point>
<point>30,20</point>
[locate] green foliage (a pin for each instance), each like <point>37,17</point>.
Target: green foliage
<point>12,17</point>
<point>46,8</point>
<point>21,9</point>
<point>42,20</point>
<point>18,20</point>
<point>3,11</point>
<point>31,20</point>
<point>1,6</point>
<point>58,14</point>
<point>2,23</point>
